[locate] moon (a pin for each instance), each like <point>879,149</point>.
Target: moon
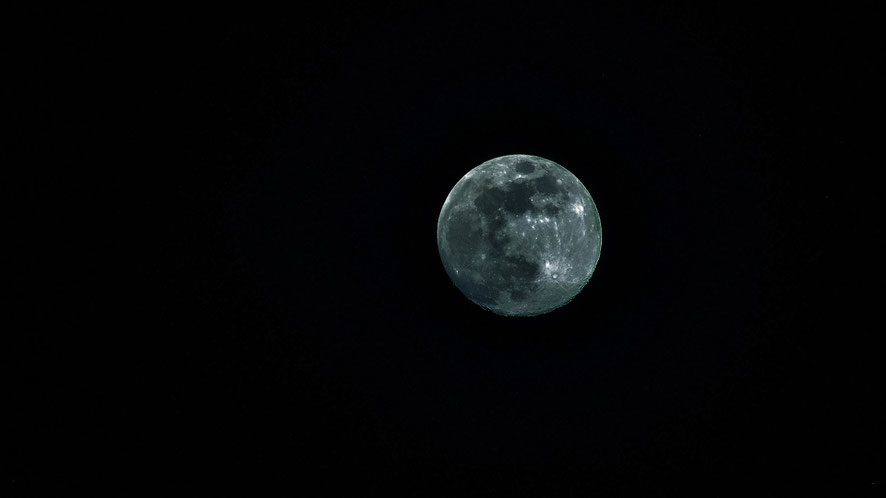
<point>519,235</point>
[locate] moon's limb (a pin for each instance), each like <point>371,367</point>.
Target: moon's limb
<point>519,235</point>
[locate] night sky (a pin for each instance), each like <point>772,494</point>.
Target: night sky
<point>240,284</point>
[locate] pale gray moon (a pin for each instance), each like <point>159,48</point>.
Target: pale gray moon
<point>519,235</point>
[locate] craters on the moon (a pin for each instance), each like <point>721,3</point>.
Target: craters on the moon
<point>518,295</point>
<point>524,167</point>
<point>546,185</point>
<point>516,198</point>
<point>551,210</point>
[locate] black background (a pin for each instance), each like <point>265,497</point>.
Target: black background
<point>229,270</point>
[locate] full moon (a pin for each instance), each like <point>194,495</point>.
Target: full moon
<point>519,235</point>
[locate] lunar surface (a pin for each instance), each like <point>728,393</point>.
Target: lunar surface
<point>519,235</point>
